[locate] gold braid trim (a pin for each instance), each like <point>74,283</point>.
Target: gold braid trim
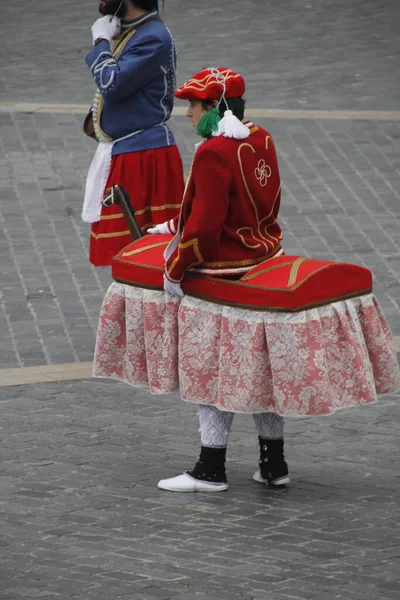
<point>100,236</point>
<point>194,243</point>
<point>117,47</point>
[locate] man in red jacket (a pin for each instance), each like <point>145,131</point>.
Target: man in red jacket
<point>228,221</point>
<point>227,224</point>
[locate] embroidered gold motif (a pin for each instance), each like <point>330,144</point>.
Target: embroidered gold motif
<point>263,172</point>
<point>270,224</point>
<point>261,237</point>
<point>248,189</point>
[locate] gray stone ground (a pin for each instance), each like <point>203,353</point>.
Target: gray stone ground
<point>80,514</point>
<point>294,53</point>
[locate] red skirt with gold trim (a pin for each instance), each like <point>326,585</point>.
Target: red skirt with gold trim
<point>154,182</point>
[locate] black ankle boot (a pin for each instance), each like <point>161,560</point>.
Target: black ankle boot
<point>210,466</point>
<point>273,467</point>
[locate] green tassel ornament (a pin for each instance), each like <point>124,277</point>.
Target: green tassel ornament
<point>209,123</point>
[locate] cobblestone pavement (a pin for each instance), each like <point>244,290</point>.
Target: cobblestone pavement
<point>294,53</point>
<point>80,514</point>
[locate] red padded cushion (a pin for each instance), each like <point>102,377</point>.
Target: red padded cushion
<point>142,262</point>
<point>285,283</point>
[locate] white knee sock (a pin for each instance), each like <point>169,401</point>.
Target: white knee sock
<point>215,426</point>
<point>269,425</point>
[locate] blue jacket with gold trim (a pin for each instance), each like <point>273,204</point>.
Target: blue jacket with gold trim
<point>136,80</point>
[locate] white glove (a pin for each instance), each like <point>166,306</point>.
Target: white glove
<point>106,28</point>
<point>172,288</point>
<point>161,228</point>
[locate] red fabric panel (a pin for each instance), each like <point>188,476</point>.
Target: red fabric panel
<point>288,283</point>
<point>154,182</point>
<point>142,262</point>
<point>231,205</point>
<point>322,286</point>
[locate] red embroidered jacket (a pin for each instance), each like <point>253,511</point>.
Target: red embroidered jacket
<point>228,220</point>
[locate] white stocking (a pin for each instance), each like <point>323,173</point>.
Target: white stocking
<point>215,426</point>
<point>269,426</point>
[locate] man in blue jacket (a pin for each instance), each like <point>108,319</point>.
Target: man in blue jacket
<point>133,63</point>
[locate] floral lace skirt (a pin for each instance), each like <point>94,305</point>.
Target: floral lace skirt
<point>312,362</point>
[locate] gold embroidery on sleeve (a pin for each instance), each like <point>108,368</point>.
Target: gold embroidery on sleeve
<point>252,246</point>
<point>196,249</point>
<point>98,102</point>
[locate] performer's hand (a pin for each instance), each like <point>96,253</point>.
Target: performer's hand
<point>161,228</point>
<point>172,288</point>
<point>106,28</point>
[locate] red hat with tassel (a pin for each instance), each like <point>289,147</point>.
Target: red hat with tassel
<point>211,84</point>
<point>216,84</point>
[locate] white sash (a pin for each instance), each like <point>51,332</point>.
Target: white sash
<point>96,182</point>
<point>97,177</point>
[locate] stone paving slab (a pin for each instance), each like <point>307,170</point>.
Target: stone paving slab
<point>81,516</point>
<point>340,201</point>
<point>48,373</point>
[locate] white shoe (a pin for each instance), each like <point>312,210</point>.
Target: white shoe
<point>186,483</point>
<point>275,483</point>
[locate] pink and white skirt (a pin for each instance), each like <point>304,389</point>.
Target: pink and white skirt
<point>312,362</point>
